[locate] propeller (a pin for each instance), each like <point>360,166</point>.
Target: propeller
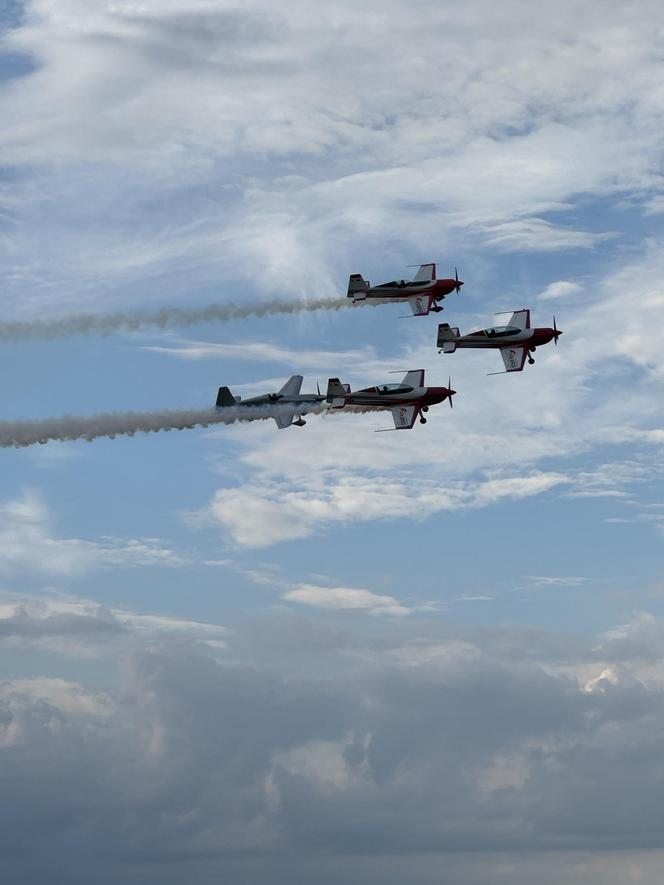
<point>450,392</point>
<point>556,332</point>
<point>459,284</point>
<point>318,388</point>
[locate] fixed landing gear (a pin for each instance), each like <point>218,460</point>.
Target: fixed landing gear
<point>425,408</point>
<point>531,361</point>
<point>423,420</point>
<point>436,308</point>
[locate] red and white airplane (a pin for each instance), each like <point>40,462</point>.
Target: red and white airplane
<point>515,341</point>
<point>422,293</point>
<point>405,400</point>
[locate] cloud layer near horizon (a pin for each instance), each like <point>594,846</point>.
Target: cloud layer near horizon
<point>440,744</point>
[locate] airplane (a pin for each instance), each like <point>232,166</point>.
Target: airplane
<point>405,400</point>
<point>288,395</point>
<point>516,341</point>
<point>422,293</point>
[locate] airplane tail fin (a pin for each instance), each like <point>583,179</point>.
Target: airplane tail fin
<point>446,337</point>
<point>336,392</point>
<point>293,386</point>
<point>357,286</point>
<point>226,398</point>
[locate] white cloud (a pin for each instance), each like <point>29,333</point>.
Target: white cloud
<point>556,581</point>
<point>559,289</point>
<point>69,697</point>
<point>346,599</point>
<point>27,541</point>
<point>261,514</point>
<point>305,157</point>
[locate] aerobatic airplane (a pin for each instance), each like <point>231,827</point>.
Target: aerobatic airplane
<point>516,341</point>
<point>405,400</point>
<point>288,395</point>
<point>422,293</point>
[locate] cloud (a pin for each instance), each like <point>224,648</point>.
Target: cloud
<point>27,542</point>
<point>80,627</point>
<point>265,513</point>
<point>559,289</point>
<point>556,581</point>
<point>273,161</point>
<point>346,599</point>
<point>457,749</point>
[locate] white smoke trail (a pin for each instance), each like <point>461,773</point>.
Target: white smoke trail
<point>164,318</point>
<point>18,434</point>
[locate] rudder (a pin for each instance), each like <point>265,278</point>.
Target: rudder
<point>357,285</point>
<point>225,398</point>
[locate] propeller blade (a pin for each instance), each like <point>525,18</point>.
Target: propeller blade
<point>555,331</point>
<point>457,288</point>
<point>450,391</point>
<point>318,388</point>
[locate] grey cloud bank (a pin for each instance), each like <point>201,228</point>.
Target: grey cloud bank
<point>196,769</point>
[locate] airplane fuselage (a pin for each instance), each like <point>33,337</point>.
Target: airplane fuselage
<point>270,398</point>
<point>402,290</point>
<point>530,338</point>
<point>385,397</point>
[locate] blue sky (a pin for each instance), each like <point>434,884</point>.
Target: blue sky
<point>323,653</point>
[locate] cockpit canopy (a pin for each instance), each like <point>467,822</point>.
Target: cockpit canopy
<point>402,284</point>
<point>499,331</point>
<point>394,388</point>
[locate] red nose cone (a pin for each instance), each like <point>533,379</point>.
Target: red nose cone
<point>451,392</point>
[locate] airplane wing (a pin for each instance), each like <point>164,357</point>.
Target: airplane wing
<point>514,358</point>
<point>414,378</point>
<point>420,305</point>
<point>520,319</point>
<point>283,421</point>
<point>405,416</point>
<point>293,386</point>
<point>425,274</point>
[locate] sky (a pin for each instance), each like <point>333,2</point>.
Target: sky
<point>321,654</point>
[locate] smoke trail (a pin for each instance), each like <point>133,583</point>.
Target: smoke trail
<point>164,318</point>
<point>18,434</point>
